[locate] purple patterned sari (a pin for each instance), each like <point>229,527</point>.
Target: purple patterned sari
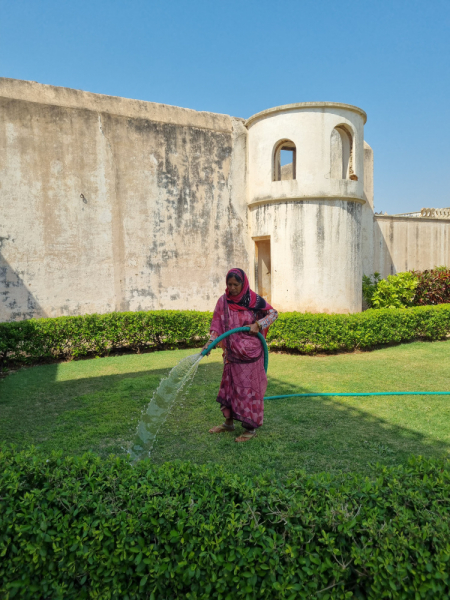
<point>244,380</point>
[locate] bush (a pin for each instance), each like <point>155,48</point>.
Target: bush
<point>395,292</point>
<point>369,286</point>
<point>433,287</point>
<point>309,333</point>
<point>71,337</point>
<point>35,340</point>
<point>413,288</point>
<point>79,528</point>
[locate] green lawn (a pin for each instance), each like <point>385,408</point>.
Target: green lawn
<point>95,405</point>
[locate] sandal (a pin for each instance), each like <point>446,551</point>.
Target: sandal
<point>246,436</point>
<point>221,428</point>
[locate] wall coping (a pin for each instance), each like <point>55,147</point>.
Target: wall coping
<point>307,198</point>
<point>39,93</point>
<point>416,219</point>
<point>270,112</point>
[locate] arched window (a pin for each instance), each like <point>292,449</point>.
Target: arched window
<point>342,164</point>
<point>284,160</point>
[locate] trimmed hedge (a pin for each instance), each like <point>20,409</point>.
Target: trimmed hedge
<point>71,337</point>
<point>309,333</point>
<point>79,528</point>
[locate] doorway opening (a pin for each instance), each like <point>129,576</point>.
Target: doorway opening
<point>263,267</point>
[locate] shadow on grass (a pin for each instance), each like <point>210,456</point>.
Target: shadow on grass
<point>97,413</point>
<point>317,433</point>
<point>356,415</point>
<point>100,413</point>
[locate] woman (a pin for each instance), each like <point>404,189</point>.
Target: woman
<point>244,380</point>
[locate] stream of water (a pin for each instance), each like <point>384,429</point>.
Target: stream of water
<point>169,390</point>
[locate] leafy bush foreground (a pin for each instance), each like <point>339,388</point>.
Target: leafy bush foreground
<point>70,337</point>
<point>77,528</point>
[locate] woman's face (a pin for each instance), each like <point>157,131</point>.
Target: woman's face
<point>234,287</point>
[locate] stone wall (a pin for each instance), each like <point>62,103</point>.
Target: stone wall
<point>367,217</point>
<point>393,244</point>
<point>408,243</point>
<point>113,204</point>
<point>315,248</point>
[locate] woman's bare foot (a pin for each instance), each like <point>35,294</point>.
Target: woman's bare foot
<point>246,436</point>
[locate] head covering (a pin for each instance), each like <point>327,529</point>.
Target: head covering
<point>247,299</point>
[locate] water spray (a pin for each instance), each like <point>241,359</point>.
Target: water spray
<point>181,376</point>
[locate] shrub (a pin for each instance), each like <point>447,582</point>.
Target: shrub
<point>309,333</point>
<point>414,288</point>
<point>395,292</point>
<point>79,528</point>
<point>433,287</point>
<point>369,286</point>
<point>71,337</point>
<point>35,340</point>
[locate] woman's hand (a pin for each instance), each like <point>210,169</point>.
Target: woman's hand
<point>254,329</point>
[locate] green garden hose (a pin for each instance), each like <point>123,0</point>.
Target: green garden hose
<point>227,333</point>
<point>312,394</point>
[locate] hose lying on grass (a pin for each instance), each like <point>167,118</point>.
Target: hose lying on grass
<point>311,394</point>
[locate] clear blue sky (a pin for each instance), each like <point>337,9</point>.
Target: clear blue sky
<point>390,57</point>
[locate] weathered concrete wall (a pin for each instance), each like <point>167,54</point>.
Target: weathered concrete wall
<point>367,215</point>
<point>315,253</point>
<point>113,204</point>
<point>392,244</point>
<point>405,243</point>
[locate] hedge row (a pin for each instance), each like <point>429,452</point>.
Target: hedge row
<point>79,528</point>
<point>71,337</point>
<point>309,333</point>
<point>68,337</point>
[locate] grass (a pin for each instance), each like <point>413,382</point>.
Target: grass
<point>95,405</point>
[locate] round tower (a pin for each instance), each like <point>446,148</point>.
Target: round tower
<point>305,196</point>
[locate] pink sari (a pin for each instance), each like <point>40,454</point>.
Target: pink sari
<point>244,380</point>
